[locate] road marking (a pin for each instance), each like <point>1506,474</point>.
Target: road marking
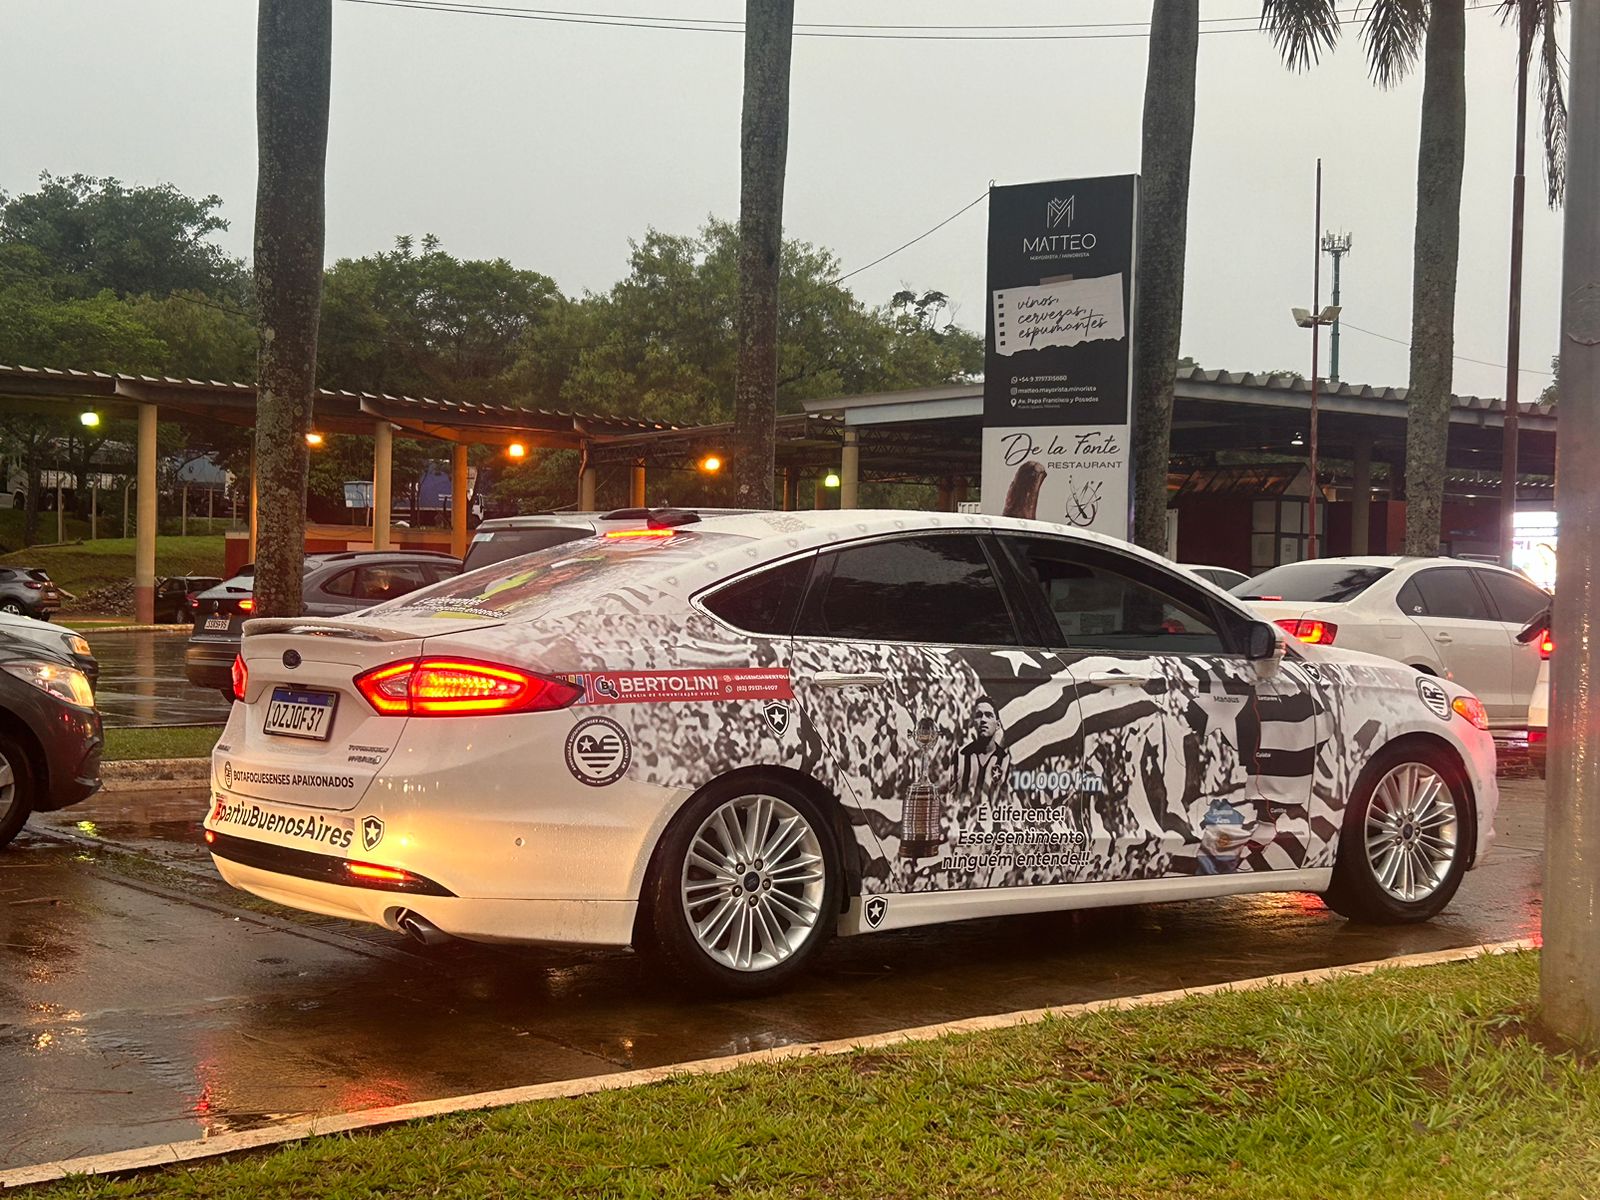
<point>169,1153</point>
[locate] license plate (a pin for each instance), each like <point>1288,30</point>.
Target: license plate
<point>217,623</point>
<point>295,713</point>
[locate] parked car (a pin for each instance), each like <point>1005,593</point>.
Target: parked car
<point>58,639</point>
<point>50,738</point>
<point>334,584</point>
<point>28,592</point>
<point>1442,616</point>
<point>723,741</point>
<point>1537,634</point>
<point>506,537</point>
<point>177,596</point>
<point>1223,577</point>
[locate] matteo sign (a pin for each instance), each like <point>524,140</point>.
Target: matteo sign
<point>1057,430</point>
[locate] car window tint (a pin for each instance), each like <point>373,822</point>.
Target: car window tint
<point>933,588</point>
<point>1518,600</point>
<point>1450,592</point>
<point>1100,604</point>
<point>765,602</point>
<point>496,545</point>
<point>342,584</point>
<point>384,582</point>
<point>435,572</point>
<point>1325,583</point>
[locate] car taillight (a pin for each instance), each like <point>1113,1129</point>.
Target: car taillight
<point>247,605</point>
<point>1314,633</point>
<point>241,677</point>
<point>1546,644</point>
<point>1472,709</point>
<point>34,584</point>
<point>380,874</point>
<point>640,533</point>
<point>460,687</point>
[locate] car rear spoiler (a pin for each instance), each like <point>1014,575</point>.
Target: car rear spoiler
<point>328,627</point>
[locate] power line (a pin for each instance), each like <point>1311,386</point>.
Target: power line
<point>913,241</point>
<point>914,33</point>
<point>1343,324</point>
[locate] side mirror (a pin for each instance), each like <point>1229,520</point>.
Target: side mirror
<point>1263,646</point>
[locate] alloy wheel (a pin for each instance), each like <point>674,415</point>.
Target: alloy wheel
<point>1413,832</point>
<point>753,882</point>
<point>8,788</point>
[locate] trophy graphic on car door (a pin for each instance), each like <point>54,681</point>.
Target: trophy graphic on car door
<point>923,811</point>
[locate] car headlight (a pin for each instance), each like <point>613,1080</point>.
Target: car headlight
<point>61,681</point>
<point>78,645</point>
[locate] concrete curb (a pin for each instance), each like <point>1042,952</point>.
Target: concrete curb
<point>154,774</point>
<point>170,1153</point>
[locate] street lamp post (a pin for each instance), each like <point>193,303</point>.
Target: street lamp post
<point>1314,318</point>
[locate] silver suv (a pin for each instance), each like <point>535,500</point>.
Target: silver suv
<point>507,537</point>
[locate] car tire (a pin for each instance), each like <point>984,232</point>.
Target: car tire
<point>1405,839</point>
<point>16,789</point>
<point>742,932</point>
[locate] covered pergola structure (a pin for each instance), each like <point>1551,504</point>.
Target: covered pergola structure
<point>146,399</point>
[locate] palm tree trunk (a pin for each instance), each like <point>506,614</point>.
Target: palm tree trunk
<point>294,51</point>
<point>1168,141</point>
<point>763,154</point>
<point>1433,279</point>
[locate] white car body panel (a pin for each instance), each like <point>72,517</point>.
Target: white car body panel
<point>493,810</point>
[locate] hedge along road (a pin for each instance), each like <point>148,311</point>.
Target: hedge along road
<point>141,1001</point>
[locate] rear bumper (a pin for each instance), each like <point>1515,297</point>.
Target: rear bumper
<point>210,664</point>
<point>556,922</point>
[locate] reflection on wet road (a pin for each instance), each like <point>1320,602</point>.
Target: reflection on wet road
<point>145,1004</point>
<point>142,681</point>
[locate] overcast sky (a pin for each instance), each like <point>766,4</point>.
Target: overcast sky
<point>553,144</point>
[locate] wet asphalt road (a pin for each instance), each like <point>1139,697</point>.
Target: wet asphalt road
<point>142,681</point>
<point>142,1001</point>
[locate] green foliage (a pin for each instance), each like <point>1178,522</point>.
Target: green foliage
<point>93,333</point>
<point>100,235</point>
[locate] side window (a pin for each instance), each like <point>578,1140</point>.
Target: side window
<point>1102,601</point>
<point>380,583</point>
<point>438,572</point>
<point>1517,599</point>
<point>342,584</point>
<point>1409,600</point>
<point>933,588</point>
<point>765,602</point>
<point>1450,592</point>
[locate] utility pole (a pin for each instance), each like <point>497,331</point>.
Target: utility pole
<point>1336,245</point>
<point>1569,966</point>
<point>1508,451</point>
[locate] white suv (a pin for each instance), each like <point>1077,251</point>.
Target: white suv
<point>1442,616</point>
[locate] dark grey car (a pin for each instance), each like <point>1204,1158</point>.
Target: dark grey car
<point>28,591</point>
<point>335,584</point>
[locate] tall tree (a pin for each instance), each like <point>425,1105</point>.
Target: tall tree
<point>1167,145</point>
<point>1394,32</point>
<point>763,156</point>
<point>1536,23</point>
<point>294,54</point>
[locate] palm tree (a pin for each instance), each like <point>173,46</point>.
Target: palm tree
<point>294,53</point>
<point>1394,31</point>
<point>1167,143</point>
<point>763,155</point>
<point>1536,22</point>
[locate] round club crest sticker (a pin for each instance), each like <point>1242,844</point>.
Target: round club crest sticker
<point>1434,696</point>
<point>598,752</point>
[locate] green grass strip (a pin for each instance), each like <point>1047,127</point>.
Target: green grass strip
<point>1414,1083</point>
<point>125,744</point>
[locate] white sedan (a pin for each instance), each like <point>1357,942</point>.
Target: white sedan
<point>1443,616</point>
<point>723,741</point>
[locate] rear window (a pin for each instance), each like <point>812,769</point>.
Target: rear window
<point>573,573</point>
<point>1324,583</point>
<point>39,576</point>
<point>490,546</point>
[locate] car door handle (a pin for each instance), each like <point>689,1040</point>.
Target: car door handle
<point>1118,679</point>
<point>835,679</point>
<point>1443,637</point>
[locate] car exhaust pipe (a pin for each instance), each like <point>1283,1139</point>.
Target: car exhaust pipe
<point>420,928</point>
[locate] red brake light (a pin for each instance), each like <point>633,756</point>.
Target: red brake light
<point>451,687</point>
<point>640,533</point>
<point>247,605</point>
<point>241,677</point>
<point>1312,632</point>
<point>1546,644</point>
<point>32,584</point>
<point>382,874</point>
